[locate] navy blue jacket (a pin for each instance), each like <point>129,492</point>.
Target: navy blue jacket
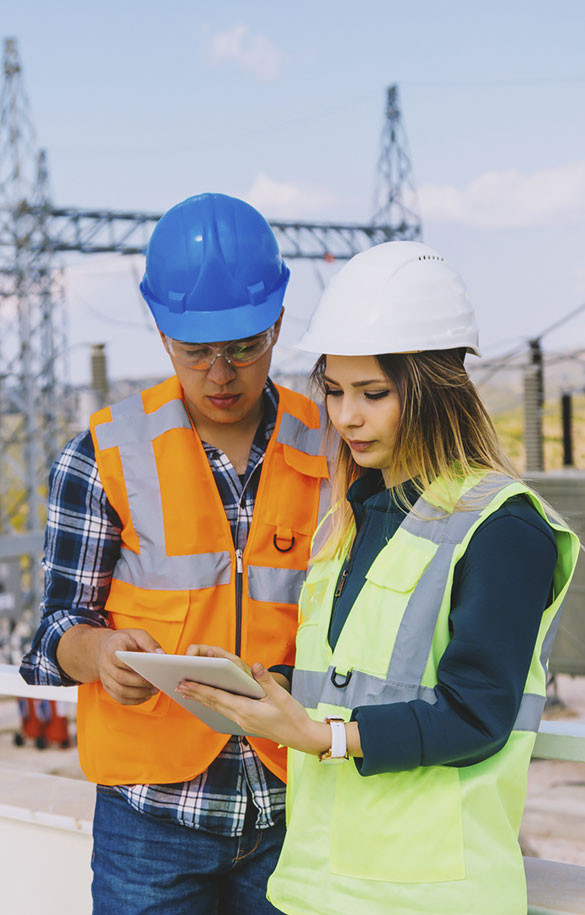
<point>500,590</point>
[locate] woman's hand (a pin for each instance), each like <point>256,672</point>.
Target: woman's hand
<point>214,651</point>
<point>278,716</point>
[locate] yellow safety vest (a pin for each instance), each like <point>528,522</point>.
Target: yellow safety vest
<point>442,839</point>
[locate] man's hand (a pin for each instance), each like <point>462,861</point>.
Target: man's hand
<point>87,654</point>
<point>121,682</point>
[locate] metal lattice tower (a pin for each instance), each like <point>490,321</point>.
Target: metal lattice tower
<point>395,202</point>
<point>32,332</point>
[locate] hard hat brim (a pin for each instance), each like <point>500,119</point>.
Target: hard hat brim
<point>219,325</point>
<point>309,343</point>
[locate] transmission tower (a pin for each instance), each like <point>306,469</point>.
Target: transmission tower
<point>32,335</point>
<point>395,201</point>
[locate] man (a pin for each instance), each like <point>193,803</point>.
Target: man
<point>184,516</point>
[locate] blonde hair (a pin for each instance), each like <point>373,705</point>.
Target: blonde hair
<point>443,430</point>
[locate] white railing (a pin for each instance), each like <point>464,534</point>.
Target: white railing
<point>12,684</point>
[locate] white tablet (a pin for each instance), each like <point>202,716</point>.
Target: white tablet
<point>166,671</point>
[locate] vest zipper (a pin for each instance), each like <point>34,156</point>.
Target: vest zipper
<point>340,584</point>
<point>348,567</point>
<point>239,560</point>
<point>239,581</point>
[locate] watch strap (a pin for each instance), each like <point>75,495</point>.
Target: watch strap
<point>338,750</point>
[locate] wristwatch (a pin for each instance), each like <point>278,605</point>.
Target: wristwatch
<point>338,750</point>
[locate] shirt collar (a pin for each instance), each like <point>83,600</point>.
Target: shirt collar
<point>369,492</point>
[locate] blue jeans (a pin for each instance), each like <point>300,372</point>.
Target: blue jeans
<point>142,865</point>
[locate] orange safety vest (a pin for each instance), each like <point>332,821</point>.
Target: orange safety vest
<point>178,576</point>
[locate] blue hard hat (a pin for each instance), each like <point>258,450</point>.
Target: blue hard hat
<point>213,271</point>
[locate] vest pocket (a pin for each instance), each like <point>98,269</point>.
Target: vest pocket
<point>160,613</point>
<point>402,827</point>
<point>400,564</point>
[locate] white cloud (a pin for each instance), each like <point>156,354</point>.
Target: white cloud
<point>510,198</point>
<point>282,200</point>
<point>255,53</point>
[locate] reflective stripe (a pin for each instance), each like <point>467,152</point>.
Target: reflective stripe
<point>310,687</point>
<point>144,497</point>
<point>295,433</point>
<point>279,586</point>
<point>547,642</point>
<point>530,712</point>
<point>417,626</point>
<point>328,449</point>
<point>427,521</point>
<point>132,431</point>
<point>325,493</point>
<point>153,569</point>
<point>129,431</point>
<point>131,425</point>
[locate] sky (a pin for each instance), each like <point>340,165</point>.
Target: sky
<point>141,104</point>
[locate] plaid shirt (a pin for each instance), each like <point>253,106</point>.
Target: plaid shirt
<point>82,545</point>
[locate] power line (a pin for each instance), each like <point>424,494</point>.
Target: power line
<point>497,364</point>
<point>561,321</point>
<point>500,362</point>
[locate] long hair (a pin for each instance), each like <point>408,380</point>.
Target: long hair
<point>443,430</point>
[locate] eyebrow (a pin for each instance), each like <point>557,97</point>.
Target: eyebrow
<point>357,384</point>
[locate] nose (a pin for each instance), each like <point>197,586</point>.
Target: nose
<point>349,415</point>
<point>220,371</point>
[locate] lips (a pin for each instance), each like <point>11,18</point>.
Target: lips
<point>359,446</point>
<point>223,401</point>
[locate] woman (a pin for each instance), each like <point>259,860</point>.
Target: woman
<point>425,621</point>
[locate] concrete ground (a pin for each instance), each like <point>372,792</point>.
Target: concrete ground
<point>554,819</point>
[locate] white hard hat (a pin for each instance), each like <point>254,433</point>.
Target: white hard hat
<point>397,297</point>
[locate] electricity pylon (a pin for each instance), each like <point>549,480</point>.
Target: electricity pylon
<point>395,202</point>
<point>32,335</point>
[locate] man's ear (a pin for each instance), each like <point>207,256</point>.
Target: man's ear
<point>162,337</point>
<point>277,326</point>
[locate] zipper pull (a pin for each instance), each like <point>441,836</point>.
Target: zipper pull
<point>340,584</point>
<point>239,563</point>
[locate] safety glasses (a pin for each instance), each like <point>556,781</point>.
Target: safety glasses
<point>237,353</point>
